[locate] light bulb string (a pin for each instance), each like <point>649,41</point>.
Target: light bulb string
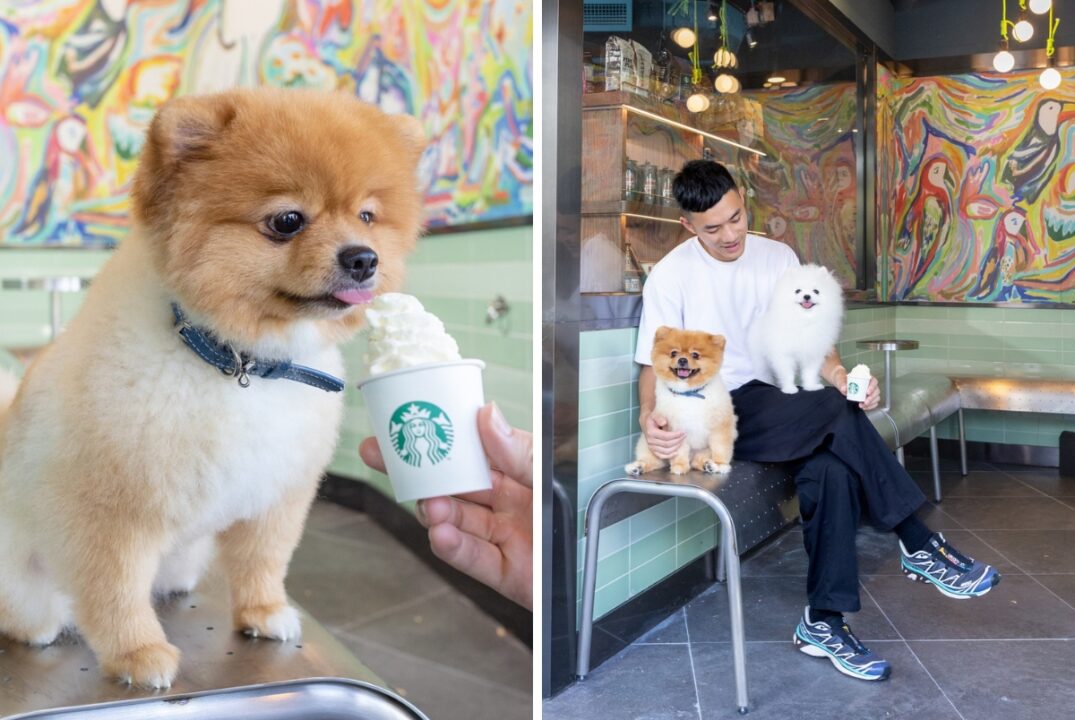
<point>724,23</point>
<point>696,67</point>
<point>1004,20</point>
<point>1050,47</point>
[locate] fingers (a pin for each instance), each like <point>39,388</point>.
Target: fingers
<point>658,420</point>
<point>510,450</point>
<point>370,453</point>
<point>468,554</point>
<point>476,520</point>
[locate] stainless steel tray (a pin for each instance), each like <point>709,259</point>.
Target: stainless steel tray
<point>313,699</point>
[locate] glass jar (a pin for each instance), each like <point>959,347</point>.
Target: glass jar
<point>667,177</point>
<point>649,183</point>
<point>631,180</point>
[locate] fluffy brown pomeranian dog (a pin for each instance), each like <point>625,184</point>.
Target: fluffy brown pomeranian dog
<point>692,397</point>
<point>192,405</point>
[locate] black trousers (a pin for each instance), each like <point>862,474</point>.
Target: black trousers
<point>842,467</point>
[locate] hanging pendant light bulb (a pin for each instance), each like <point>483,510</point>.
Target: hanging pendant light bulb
<point>725,83</point>
<point>697,103</point>
<point>1049,78</point>
<point>684,37</point>
<point>1040,7</point>
<point>1003,61</point>
<point>1023,30</point>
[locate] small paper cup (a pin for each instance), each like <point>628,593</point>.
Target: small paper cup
<point>857,386</point>
<point>426,422</point>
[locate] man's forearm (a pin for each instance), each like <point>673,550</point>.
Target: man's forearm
<point>647,393</point>
<point>832,367</point>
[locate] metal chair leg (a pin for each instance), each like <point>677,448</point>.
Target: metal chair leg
<point>729,556</point>
<point>899,456</point>
<point>962,445</point>
<point>936,461</point>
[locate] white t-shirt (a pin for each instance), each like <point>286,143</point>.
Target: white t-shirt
<point>689,289</point>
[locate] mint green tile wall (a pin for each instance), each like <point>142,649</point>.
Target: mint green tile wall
<point>455,276</point>
<point>24,314</point>
<point>638,551</point>
<point>863,324</point>
<point>995,342</point>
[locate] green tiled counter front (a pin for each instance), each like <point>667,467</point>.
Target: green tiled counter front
<point>455,276</point>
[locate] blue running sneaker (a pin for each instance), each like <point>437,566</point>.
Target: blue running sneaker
<point>951,572</point>
<point>841,647</point>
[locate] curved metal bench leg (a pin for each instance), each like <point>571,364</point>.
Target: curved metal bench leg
<point>962,445</point>
<point>899,456</point>
<point>729,555</point>
<point>936,462</point>
<point>722,565</point>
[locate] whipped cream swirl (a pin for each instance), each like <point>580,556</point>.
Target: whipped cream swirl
<point>403,334</point>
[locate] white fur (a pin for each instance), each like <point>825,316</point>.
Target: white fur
<point>214,453</point>
<point>788,339</point>
<point>696,416</point>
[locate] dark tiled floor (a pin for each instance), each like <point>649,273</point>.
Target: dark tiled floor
<point>424,639</point>
<point>1007,655</point>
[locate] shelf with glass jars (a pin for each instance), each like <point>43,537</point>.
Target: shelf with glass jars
<point>631,150</point>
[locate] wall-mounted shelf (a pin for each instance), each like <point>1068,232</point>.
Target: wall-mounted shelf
<point>633,208</point>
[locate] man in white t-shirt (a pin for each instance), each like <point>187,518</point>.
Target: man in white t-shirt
<point>720,281</point>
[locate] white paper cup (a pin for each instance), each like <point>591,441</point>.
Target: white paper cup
<point>426,422</point>
<point>857,386</point>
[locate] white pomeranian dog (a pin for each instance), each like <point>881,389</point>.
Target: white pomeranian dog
<point>798,329</point>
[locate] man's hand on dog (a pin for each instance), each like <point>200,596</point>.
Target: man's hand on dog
<point>486,534</point>
<point>662,443</point>
<point>873,392</point>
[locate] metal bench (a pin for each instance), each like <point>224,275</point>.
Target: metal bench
<point>752,502</point>
<point>215,660</point>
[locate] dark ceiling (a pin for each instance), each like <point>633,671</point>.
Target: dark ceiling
<point>792,44</point>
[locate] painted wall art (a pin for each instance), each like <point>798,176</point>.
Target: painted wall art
<point>805,189</point>
<point>977,182</point>
<point>81,79</point>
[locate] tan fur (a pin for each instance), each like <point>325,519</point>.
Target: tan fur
<point>709,421</point>
<point>123,449</point>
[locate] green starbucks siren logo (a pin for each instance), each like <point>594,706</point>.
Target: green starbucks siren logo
<point>420,430</point>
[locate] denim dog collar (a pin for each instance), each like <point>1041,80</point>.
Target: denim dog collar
<point>695,393</point>
<point>241,366</point>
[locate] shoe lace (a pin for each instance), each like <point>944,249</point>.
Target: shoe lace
<point>950,556</point>
<point>846,637</point>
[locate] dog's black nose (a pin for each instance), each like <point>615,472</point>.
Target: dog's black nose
<point>683,362</point>
<point>806,298</point>
<point>359,261</point>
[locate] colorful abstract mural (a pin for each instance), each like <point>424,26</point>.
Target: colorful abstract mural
<point>804,189</point>
<point>81,79</point>
<point>979,176</point>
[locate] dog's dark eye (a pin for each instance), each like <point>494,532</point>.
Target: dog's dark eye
<point>694,355</point>
<point>675,352</point>
<point>797,291</point>
<point>816,291</point>
<point>287,223</point>
<point>367,217</point>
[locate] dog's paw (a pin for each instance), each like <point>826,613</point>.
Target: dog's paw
<point>634,468</point>
<point>789,389</point>
<point>151,666</point>
<point>276,622</point>
<point>718,468</point>
<point>680,468</point>
<point>810,387</point>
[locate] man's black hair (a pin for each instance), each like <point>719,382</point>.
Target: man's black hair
<point>701,184</point>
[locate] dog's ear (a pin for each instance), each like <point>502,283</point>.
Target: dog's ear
<point>662,333</point>
<point>183,130</point>
<point>412,130</point>
<point>718,341</point>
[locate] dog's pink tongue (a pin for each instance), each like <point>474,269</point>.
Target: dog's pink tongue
<point>683,372</point>
<point>807,305</point>
<point>353,297</point>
